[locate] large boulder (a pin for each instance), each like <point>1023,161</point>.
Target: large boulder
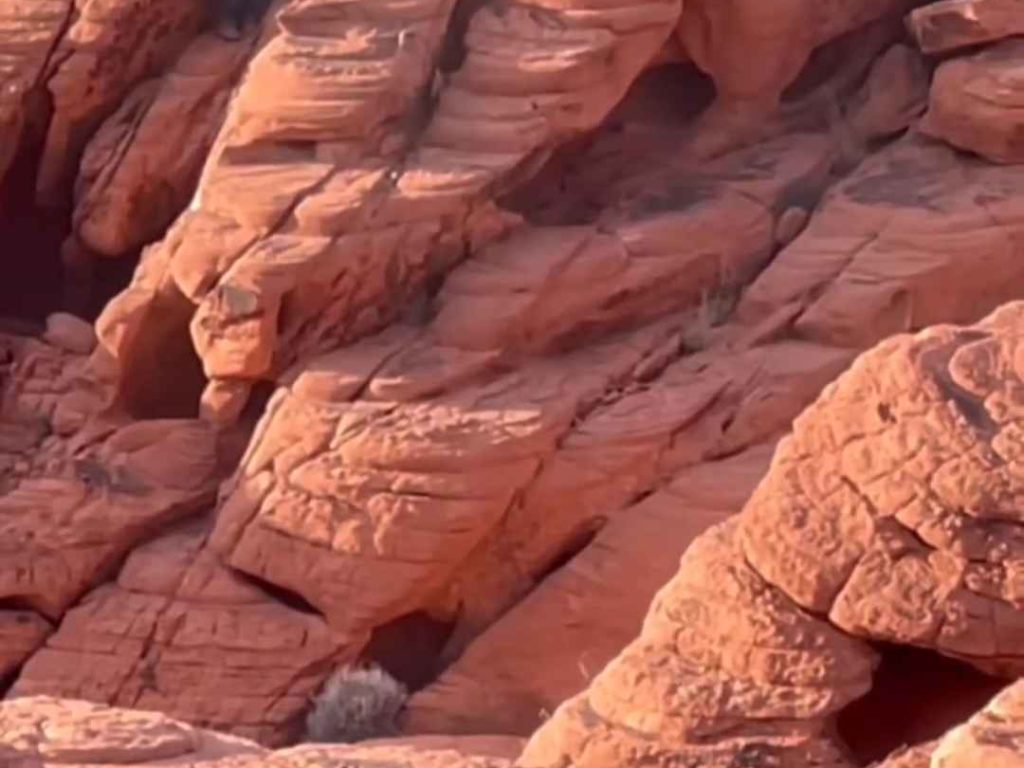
<point>977,103</point>
<point>888,515</point>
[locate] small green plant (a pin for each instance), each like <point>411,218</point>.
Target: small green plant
<point>357,703</point>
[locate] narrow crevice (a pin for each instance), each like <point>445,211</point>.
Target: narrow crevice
<point>454,51</point>
<point>282,595</point>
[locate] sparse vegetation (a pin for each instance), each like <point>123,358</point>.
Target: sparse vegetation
<point>357,703</point>
<point>714,309</point>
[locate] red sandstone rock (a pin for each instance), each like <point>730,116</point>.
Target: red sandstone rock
<point>181,634</point>
<point>555,641</point>
<point>950,24</point>
<point>140,169</point>
<point>39,729</point>
<point>66,524</point>
<point>108,48</point>
<point>21,633</point>
<point>878,256</point>
<point>753,51</point>
<point>977,103</point>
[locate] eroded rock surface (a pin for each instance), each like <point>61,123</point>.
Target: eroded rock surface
<point>38,730</point>
<point>179,633</point>
<point>596,338</point>
<point>889,510</point>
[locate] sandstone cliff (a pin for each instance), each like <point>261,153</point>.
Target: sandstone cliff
<point>635,377</point>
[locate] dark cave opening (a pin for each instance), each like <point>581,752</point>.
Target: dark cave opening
<point>643,134</point>
<point>30,239</point>
<point>917,696</point>
<point>409,648</point>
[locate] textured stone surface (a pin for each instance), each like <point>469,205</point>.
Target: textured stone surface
<point>890,510</point>
<point>518,461</point>
<point>21,633</point>
<point>878,255</point>
<point>552,644</point>
<point>140,168</point>
<point>377,204</point>
<point>181,634</point>
<point>107,49</point>
<point>977,103</point>
<point>67,526</point>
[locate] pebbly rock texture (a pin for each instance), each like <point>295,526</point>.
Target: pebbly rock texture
<point>948,25</point>
<point>977,103</point>
<point>179,633</point>
<point>888,510</point>
<point>524,348</point>
<point>21,634</point>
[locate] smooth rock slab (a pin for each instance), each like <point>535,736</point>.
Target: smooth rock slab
<point>977,103</point>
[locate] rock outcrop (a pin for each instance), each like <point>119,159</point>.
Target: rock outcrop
<point>37,731</point>
<point>887,514</point>
<point>977,103</point>
<point>507,333</point>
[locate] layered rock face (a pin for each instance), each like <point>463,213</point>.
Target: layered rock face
<point>632,377</point>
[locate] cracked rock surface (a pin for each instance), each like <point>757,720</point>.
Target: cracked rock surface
<point>630,380</point>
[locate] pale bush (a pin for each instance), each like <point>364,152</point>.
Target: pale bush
<point>356,704</point>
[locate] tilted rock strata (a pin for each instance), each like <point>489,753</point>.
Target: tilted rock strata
<point>66,526</point>
<point>550,645</point>
<point>977,103</point>
<point>452,380</point>
<point>108,48</point>
<point>40,730</point>
<point>380,203</point>
<point>181,634</point>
